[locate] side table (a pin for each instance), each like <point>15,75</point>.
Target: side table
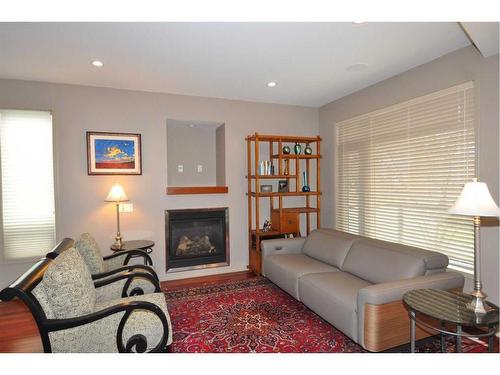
<point>448,308</point>
<point>144,245</point>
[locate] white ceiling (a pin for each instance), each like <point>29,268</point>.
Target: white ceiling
<point>225,60</point>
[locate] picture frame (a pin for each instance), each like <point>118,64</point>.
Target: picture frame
<point>114,153</point>
<point>283,186</point>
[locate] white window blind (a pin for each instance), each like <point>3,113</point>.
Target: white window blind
<point>27,180</point>
<point>398,171</point>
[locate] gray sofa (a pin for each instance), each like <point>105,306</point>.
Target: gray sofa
<point>356,283</point>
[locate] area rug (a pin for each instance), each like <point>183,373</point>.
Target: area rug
<point>255,316</point>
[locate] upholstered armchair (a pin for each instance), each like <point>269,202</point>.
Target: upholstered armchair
<point>91,252</point>
<point>62,297</point>
<point>111,273</point>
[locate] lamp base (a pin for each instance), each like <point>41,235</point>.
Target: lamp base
<point>118,242</point>
<point>478,302</point>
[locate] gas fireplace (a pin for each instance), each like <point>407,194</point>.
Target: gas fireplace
<point>196,238</point>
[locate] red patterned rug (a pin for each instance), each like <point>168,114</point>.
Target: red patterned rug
<point>257,316</point>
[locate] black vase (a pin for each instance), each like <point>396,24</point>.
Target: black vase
<point>297,148</point>
<point>286,150</point>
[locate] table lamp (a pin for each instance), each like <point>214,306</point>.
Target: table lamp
<point>475,200</point>
<point>117,195</point>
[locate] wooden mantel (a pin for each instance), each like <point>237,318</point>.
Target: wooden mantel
<point>178,190</point>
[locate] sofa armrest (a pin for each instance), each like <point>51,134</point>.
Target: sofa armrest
<point>282,246</point>
<point>379,294</point>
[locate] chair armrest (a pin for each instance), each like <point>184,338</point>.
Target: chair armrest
<point>393,291</point>
<point>129,254</point>
<point>129,277</point>
<point>128,307</point>
<point>282,246</point>
<point>128,268</point>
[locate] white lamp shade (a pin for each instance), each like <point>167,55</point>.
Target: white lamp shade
<point>116,194</point>
<point>475,200</point>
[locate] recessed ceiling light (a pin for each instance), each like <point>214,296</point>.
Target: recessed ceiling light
<point>97,63</point>
<point>358,67</point>
<point>271,84</point>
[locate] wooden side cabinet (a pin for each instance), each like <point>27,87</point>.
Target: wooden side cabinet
<point>281,162</point>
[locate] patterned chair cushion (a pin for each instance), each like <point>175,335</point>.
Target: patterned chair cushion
<point>114,290</point>
<point>68,286</point>
<point>100,336</point>
<point>91,253</point>
<point>114,263</point>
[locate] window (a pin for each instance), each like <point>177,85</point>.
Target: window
<point>27,184</point>
<point>398,171</point>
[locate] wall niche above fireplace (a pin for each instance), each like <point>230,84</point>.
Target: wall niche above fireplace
<point>196,157</point>
<point>196,238</point>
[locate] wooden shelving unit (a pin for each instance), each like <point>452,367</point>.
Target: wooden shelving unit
<point>288,217</point>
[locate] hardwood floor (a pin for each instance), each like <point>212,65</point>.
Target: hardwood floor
<point>18,330</point>
<point>19,333</point>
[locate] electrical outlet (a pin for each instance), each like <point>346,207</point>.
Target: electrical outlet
<point>200,168</point>
<point>126,207</point>
<point>180,168</point>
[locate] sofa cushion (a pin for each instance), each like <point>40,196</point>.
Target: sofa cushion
<point>380,261</point>
<point>91,253</point>
<point>329,246</point>
<point>68,286</point>
<point>285,270</point>
<point>333,296</point>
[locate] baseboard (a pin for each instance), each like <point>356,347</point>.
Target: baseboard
<point>201,273</point>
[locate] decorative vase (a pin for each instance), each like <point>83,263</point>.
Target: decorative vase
<point>286,150</point>
<point>308,150</point>
<point>285,169</point>
<point>305,186</point>
<point>297,148</point>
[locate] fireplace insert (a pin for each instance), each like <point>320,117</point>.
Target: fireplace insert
<point>196,238</point>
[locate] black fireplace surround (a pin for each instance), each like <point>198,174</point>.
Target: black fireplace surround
<point>196,238</point>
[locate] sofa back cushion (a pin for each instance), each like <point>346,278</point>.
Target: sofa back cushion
<point>68,285</point>
<point>91,253</point>
<point>329,246</point>
<point>380,261</point>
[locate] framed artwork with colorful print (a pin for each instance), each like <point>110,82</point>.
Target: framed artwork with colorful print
<point>113,153</point>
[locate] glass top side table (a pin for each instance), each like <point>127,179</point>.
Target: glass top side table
<point>145,245</point>
<point>448,307</point>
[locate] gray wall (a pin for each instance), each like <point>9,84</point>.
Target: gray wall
<point>191,147</point>
<point>220,155</point>
<point>452,69</point>
<point>80,198</point>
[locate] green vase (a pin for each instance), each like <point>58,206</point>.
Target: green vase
<point>308,150</point>
<point>305,183</point>
<point>286,150</point>
<point>297,148</point>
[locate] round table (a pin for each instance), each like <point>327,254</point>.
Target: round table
<point>448,308</point>
<point>145,245</point>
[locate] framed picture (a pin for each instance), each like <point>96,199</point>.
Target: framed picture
<point>113,153</point>
<point>283,186</point>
